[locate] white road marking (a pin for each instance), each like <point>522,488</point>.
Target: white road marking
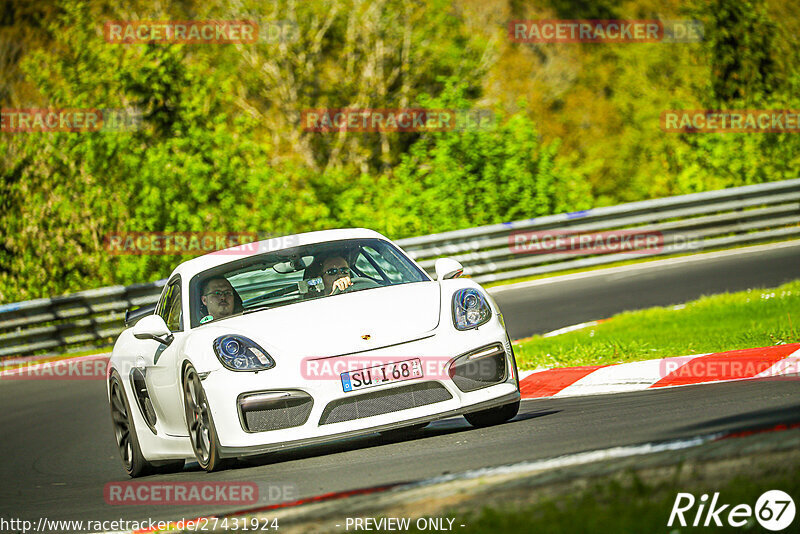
<point>570,460</point>
<point>572,328</point>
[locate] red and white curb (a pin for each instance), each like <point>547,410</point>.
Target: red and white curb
<point>779,360</point>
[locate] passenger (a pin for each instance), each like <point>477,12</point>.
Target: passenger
<point>218,297</point>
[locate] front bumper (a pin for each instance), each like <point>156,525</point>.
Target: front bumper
<point>224,389</point>
<point>228,452</point>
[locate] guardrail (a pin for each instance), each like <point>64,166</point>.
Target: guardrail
<point>709,220</point>
<point>80,318</point>
<point>686,223</point>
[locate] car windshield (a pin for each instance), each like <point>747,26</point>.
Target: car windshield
<point>298,274</point>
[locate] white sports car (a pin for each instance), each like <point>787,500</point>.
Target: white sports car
<point>328,335</point>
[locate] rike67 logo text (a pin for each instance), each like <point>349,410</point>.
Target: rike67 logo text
<point>774,510</point>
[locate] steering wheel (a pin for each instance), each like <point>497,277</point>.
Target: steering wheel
<point>357,283</point>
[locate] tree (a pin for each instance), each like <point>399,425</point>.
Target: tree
<point>740,39</point>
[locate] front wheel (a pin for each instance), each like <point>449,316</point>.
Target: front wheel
<point>493,416</point>
<point>202,432</point>
<point>125,433</point>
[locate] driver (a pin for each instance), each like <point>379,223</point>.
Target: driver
<point>335,274</point>
<point>217,295</point>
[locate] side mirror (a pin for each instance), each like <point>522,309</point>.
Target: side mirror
<point>133,316</point>
<point>152,327</point>
<point>447,268</point>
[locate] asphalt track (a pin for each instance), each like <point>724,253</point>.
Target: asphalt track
<point>57,450</point>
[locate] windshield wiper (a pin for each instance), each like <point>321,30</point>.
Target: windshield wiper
<point>259,308</point>
<point>291,288</point>
<point>269,306</point>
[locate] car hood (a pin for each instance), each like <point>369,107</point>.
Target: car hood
<point>337,325</point>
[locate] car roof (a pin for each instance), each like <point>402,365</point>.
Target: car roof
<point>191,267</point>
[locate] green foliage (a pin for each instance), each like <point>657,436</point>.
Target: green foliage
<point>193,166</point>
<point>586,9</point>
<point>746,52</point>
<point>221,147</point>
<point>743,57</point>
<point>488,173</point>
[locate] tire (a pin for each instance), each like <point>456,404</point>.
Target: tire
<point>404,431</point>
<point>202,433</point>
<point>493,416</point>
<point>125,433</point>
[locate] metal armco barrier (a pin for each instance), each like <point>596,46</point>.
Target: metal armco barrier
<point>686,223</point>
<point>78,319</point>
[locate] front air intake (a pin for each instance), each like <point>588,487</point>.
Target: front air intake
<point>274,410</point>
<point>384,401</point>
<point>479,368</point>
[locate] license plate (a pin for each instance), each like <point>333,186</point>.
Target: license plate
<point>381,374</point>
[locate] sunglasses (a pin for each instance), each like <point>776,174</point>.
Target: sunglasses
<point>333,270</point>
<point>218,294</point>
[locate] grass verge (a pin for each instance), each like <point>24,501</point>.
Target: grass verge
<point>633,504</point>
<point>730,321</point>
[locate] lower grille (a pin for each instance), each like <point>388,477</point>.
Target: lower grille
<point>278,414</point>
<point>385,401</point>
<point>488,367</point>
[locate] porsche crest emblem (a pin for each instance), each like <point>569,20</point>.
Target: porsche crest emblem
<point>366,337</point>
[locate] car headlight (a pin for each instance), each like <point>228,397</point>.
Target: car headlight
<point>239,353</point>
<point>470,309</point>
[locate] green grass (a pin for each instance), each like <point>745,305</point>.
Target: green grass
<point>752,318</point>
<point>630,506</point>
